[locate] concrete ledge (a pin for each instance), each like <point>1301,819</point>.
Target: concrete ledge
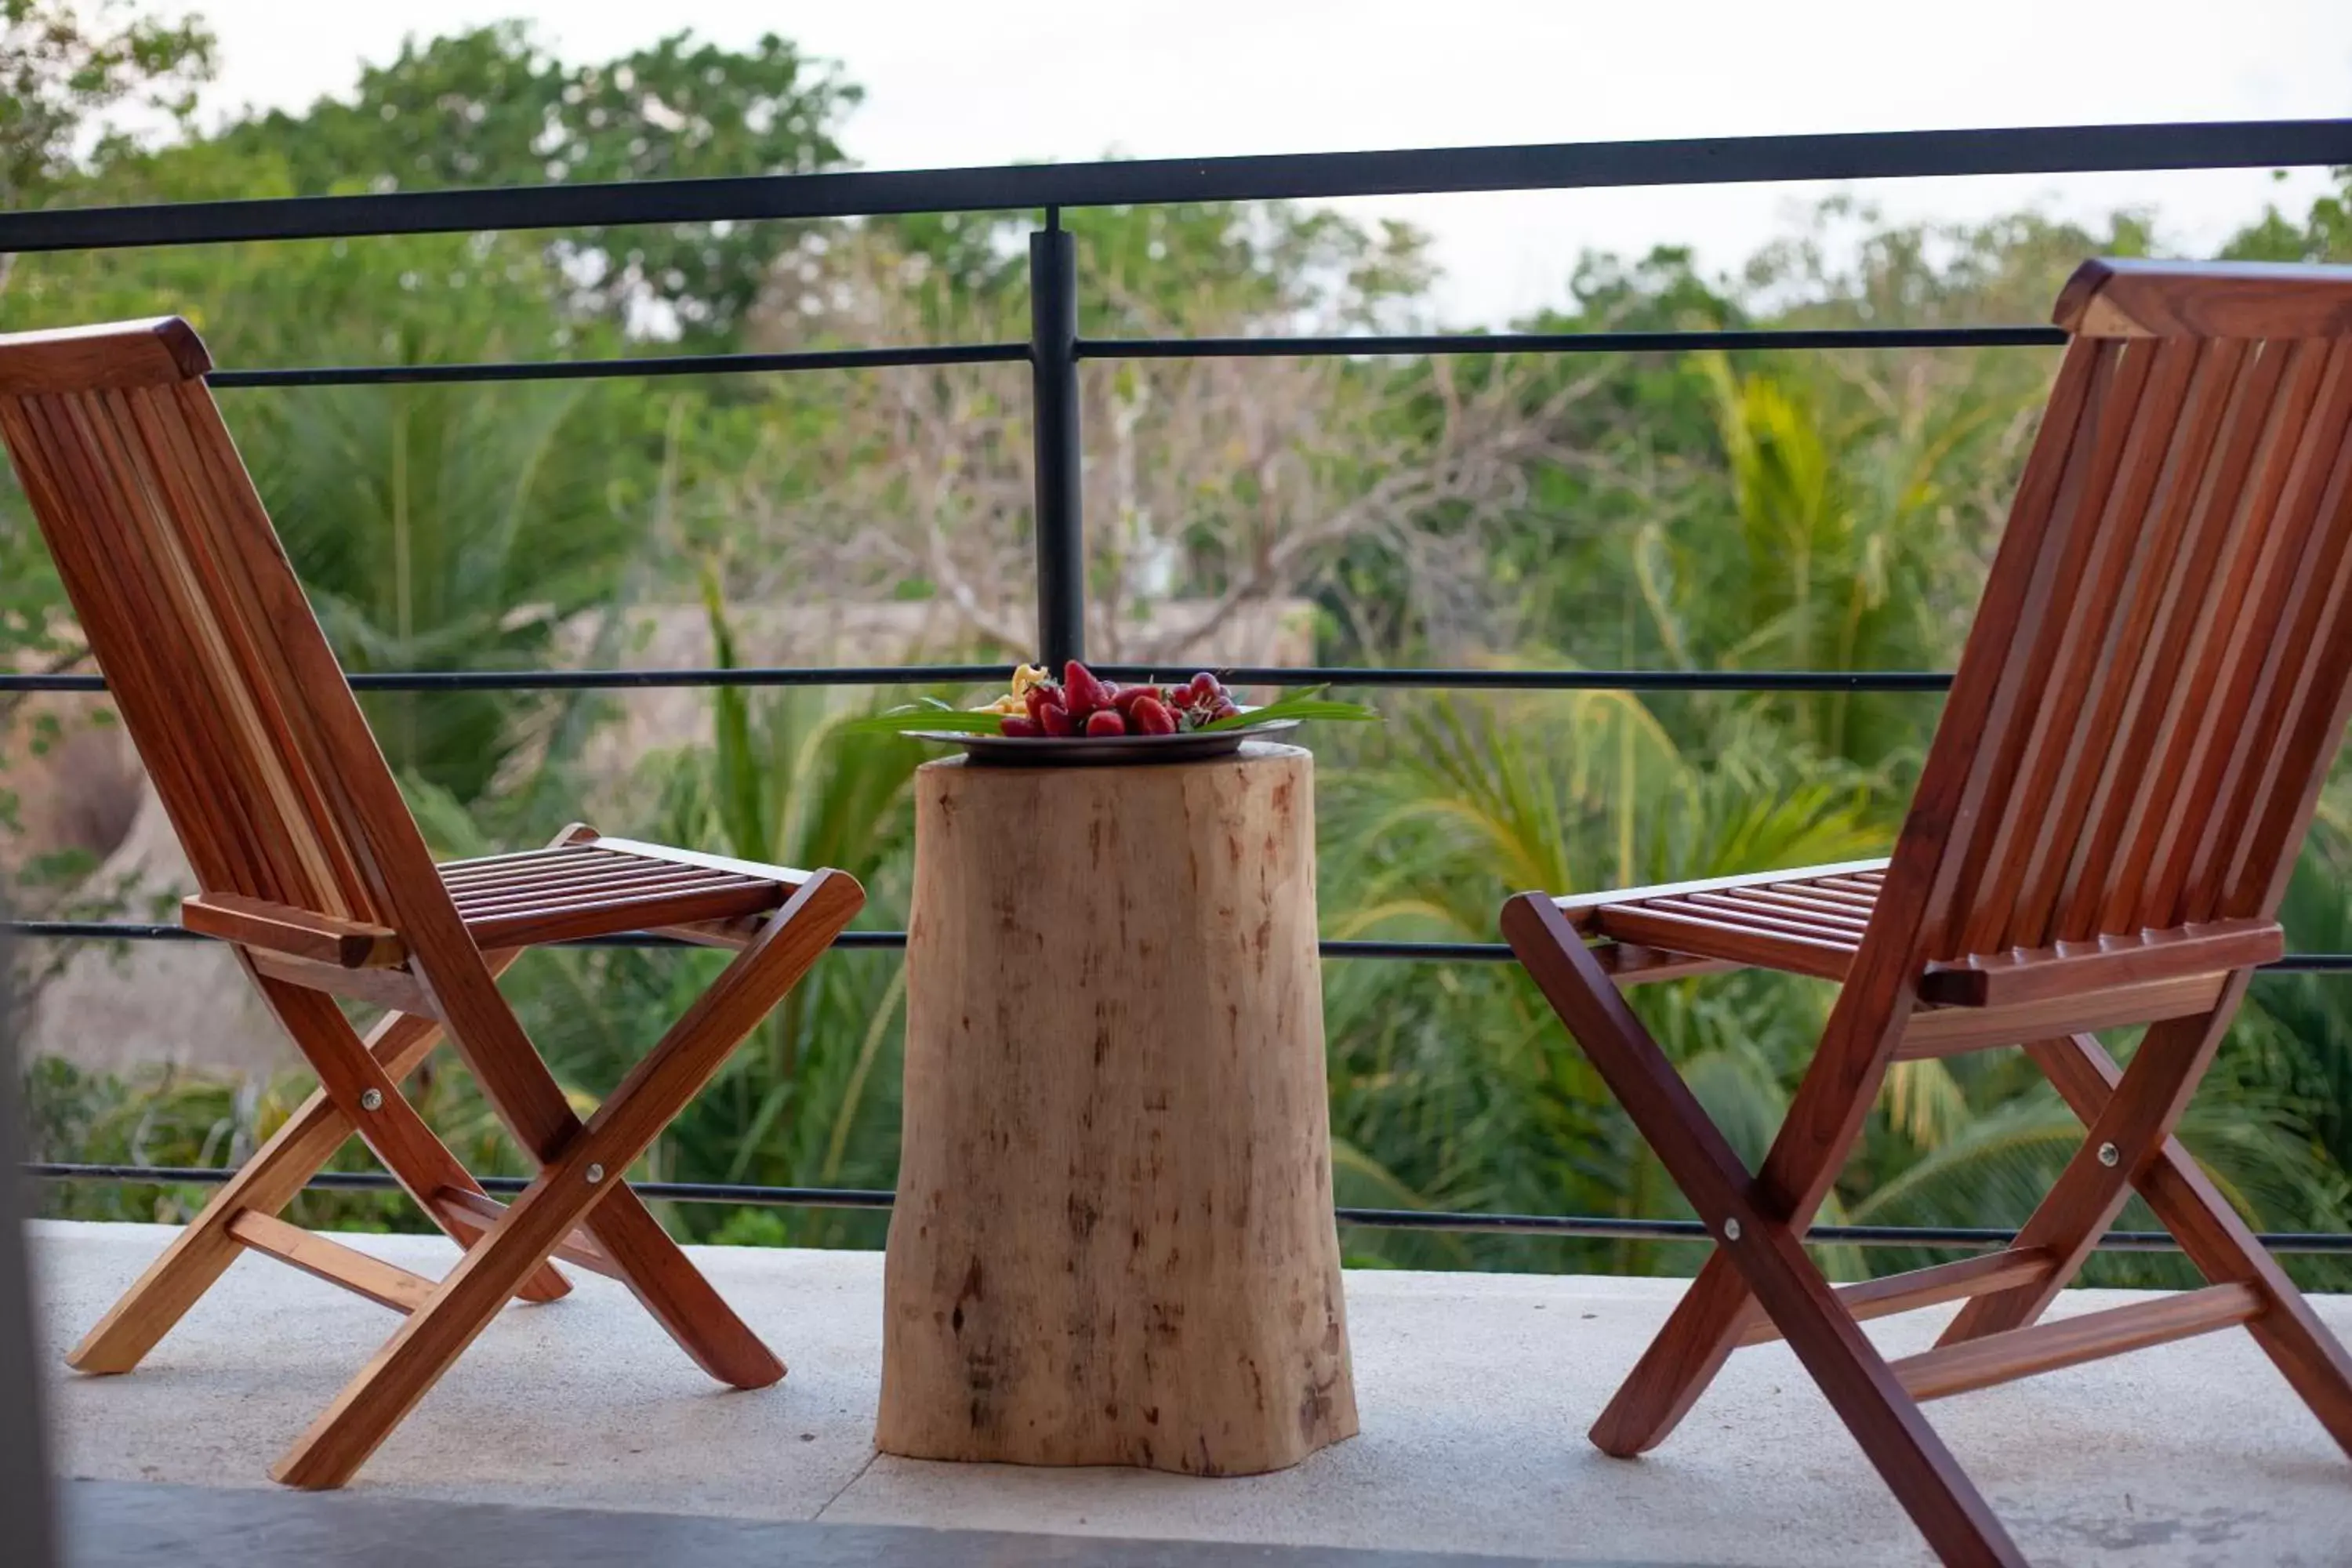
<point>136,1524</point>
<point>1475,1390</point>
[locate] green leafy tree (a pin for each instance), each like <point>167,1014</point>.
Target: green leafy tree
<point>66,69</point>
<point>492,107</point>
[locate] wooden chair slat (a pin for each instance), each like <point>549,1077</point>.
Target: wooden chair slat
<point>1893,1294</point>
<point>1829,897</point>
<point>2309,541</point>
<point>2087,556</point>
<point>1769,916</point>
<point>2304,734</point>
<point>1815,910</point>
<point>174,435</point>
<point>649,878</point>
<point>2252,659</point>
<point>385,1284</point>
<point>574,922</point>
<point>1653,927</point>
<point>2208,682</point>
<point>523,871</point>
<point>2155,626</point>
<point>58,482</point>
<point>254,730</point>
<point>2045,819</point>
<point>2040,550</point>
<point>2070,1341</point>
<point>1572,905</point>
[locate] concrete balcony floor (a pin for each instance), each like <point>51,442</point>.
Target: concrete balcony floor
<point>1475,1390</point>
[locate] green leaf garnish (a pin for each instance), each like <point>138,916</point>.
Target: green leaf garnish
<point>1307,705</point>
<point>926,716</point>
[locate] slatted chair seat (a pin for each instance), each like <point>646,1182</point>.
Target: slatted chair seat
<point>1805,922</point>
<point>602,886</point>
<point>310,868</point>
<point>2156,684</point>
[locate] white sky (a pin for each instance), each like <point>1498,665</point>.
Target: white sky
<point>986,81</point>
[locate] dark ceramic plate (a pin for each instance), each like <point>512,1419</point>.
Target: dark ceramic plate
<point>1082,751</point>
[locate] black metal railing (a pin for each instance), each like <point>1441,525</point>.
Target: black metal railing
<point>1055,351</point>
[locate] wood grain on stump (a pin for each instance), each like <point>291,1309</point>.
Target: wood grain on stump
<point>1113,1243</point>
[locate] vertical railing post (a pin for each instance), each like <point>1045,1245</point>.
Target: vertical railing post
<point>25,1492</point>
<point>1054,377</point>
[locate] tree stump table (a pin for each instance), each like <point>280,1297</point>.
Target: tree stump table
<point>1114,1243</point>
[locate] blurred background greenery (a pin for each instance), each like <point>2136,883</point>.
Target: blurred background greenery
<point>1695,512</point>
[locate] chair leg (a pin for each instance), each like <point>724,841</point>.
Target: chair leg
<point>1699,1338</point>
<point>280,1169</point>
<point>573,1188</point>
<point>433,1336</point>
<point>2220,1244</point>
<point>2124,1136</point>
<point>1764,1249</point>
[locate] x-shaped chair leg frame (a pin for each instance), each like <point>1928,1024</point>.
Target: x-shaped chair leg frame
<point>580,1183</point>
<point>2220,1244</point>
<point>264,1185</point>
<point>508,1248</point>
<point>1760,1263</point>
<point>1765,1258</point>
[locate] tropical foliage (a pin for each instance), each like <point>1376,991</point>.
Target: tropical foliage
<point>1687,513</point>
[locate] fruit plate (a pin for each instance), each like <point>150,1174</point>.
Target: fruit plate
<point>1081,751</point>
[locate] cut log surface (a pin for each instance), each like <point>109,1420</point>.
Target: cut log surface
<point>1113,1243</point>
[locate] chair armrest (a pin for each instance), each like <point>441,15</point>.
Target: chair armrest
<point>2103,963</point>
<point>296,932</point>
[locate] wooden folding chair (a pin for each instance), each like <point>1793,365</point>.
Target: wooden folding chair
<point>311,867</point>
<point>2147,704</point>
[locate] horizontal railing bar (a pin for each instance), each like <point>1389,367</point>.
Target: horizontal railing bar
<point>597,369</point>
<point>606,680</point>
<point>1873,155</point>
<point>139,930</point>
<point>1406,951</point>
<point>1428,678</point>
<point>1586,1226</point>
<point>1137,347</point>
<point>1573,342</point>
<point>1436,678</point>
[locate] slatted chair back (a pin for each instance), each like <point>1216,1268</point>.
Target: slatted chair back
<point>212,654</point>
<point>2153,689</point>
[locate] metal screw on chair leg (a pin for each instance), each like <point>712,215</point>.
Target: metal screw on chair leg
<point>596,1175</point>
<point>370,1099</point>
<point>1731,1230</point>
<point>2109,1155</point>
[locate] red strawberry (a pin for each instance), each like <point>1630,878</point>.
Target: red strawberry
<point>1106,721</point>
<point>1127,697</point>
<point>1082,690</point>
<point>1054,720</point>
<point>1027,728</point>
<point>1037,696</point>
<point>1150,716</point>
